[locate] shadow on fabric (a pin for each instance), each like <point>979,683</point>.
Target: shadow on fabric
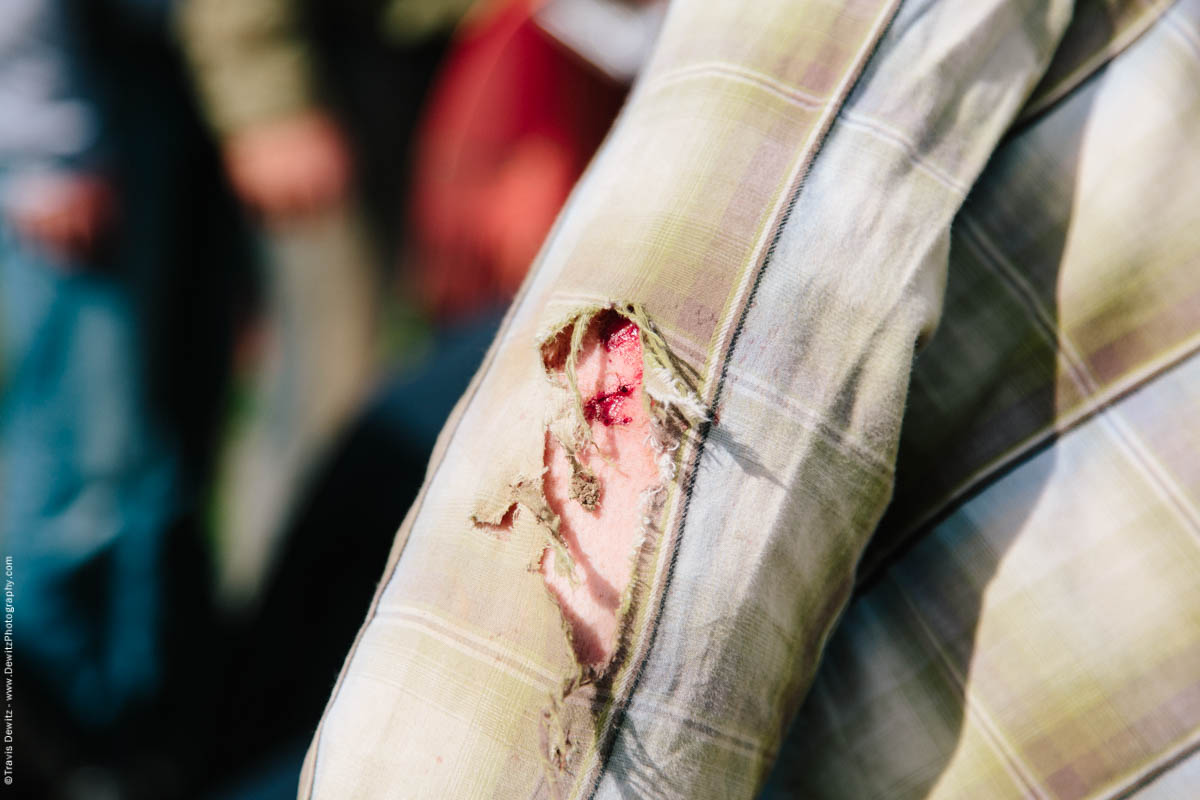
<point>888,708</point>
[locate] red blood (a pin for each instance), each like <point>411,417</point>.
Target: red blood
<point>606,407</point>
<point>619,336</point>
<point>617,332</point>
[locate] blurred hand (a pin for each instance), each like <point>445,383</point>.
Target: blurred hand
<point>289,168</point>
<point>67,214</point>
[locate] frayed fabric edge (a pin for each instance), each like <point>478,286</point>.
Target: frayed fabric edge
<point>674,406</point>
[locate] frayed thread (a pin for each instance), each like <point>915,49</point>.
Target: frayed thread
<point>674,406</point>
<point>669,384</point>
<point>529,495</point>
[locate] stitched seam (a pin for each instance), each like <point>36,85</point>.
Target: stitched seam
<point>744,294</point>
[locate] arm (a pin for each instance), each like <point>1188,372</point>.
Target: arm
<point>772,213</point>
<point>285,154</point>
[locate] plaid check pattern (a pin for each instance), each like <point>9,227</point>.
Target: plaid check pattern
<point>1040,634</point>
<point>796,194</point>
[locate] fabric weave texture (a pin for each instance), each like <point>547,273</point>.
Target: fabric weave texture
<point>934,257</point>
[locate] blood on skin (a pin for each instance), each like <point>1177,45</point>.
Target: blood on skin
<point>618,332</point>
<point>609,376</point>
<point>605,407</point>
<point>622,337</point>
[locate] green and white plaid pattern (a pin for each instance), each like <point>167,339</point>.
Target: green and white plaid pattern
<point>1041,637</point>
<point>780,197</point>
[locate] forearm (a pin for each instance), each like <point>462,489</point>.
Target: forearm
<point>772,211</point>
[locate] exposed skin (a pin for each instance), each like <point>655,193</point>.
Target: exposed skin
<point>67,215</point>
<point>294,167</point>
<point>609,371</point>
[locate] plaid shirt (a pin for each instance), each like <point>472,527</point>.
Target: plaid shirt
<point>795,196</point>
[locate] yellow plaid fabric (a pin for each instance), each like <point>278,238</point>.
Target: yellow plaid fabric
<point>1040,634</point>
<point>781,199</point>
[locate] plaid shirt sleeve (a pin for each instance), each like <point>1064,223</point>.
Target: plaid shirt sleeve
<point>1028,620</point>
<point>775,206</point>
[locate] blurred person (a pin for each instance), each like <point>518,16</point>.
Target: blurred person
<point>525,96</point>
<point>537,98</point>
<point>314,103</point>
<point>118,256</point>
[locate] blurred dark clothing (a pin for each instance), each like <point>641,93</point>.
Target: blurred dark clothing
<point>288,652</point>
<point>114,367</point>
<point>258,60</point>
<point>356,72</point>
<point>366,61</point>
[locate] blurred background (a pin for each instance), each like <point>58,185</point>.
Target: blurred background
<point>251,253</point>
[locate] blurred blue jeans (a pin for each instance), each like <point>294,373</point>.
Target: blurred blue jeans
<point>88,484</point>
